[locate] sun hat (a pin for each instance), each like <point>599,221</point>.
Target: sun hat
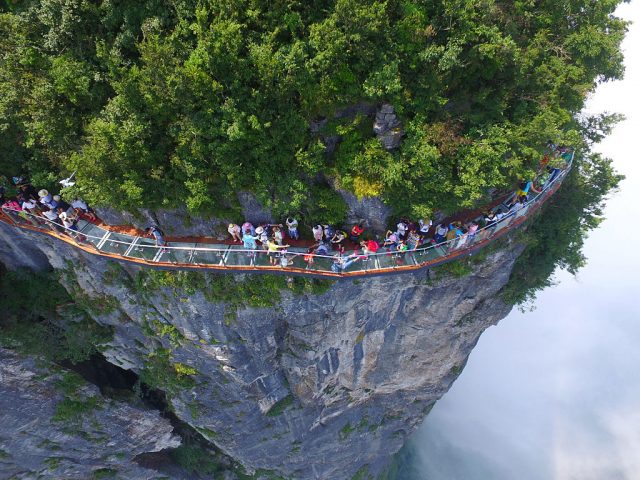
<point>259,230</point>
<point>56,198</point>
<point>43,193</point>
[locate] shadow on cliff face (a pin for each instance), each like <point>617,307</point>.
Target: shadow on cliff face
<point>193,457</point>
<point>39,318</point>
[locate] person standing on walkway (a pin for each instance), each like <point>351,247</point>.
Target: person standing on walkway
<point>355,233</point>
<point>234,231</point>
<point>157,234</point>
<point>273,250</point>
<point>318,233</point>
<point>292,227</point>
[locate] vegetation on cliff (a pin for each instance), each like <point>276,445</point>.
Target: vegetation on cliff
<point>38,317</point>
<point>161,103</point>
<point>555,239</point>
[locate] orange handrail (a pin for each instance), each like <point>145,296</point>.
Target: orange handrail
<point>135,250</point>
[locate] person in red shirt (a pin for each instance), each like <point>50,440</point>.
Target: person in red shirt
<point>356,231</point>
<point>369,246</point>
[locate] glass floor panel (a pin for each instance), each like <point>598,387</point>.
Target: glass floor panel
<point>322,264</point>
<point>182,254</point>
<point>295,256</point>
<point>503,224</point>
<point>422,256</point>
<point>117,243</point>
<point>81,224</point>
<point>387,260</point>
<point>522,212</point>
<point>361,265</point>
<point>144,248</point>
<point>92,233</point>
<point>209,257</point>
<point>236,256</point>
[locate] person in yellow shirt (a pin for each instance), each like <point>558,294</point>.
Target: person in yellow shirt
<point>273,249</point>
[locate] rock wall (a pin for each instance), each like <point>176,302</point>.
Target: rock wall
<point>320,386</point>
<point>387,127</point>
<point>102,440</point>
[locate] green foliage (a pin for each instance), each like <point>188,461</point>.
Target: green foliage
<point>280,406</point>
<point>195,460</point>
<point>69,383</point>
<point>325,206</point>
<point>53,462</point>
<point>158,104</point>
<point>346,431</point>
<point>458,269</point>
<point>103,473</point>
<point>314,286</point>
<point>155,327</point>
<point>71,409</point>
<point>256,291</point>
<point>362,474</point>
<point>148,280</point>
<point>75,403</point>
<point>555,239</point>
<point>38,317</point>
<point>162,373</point>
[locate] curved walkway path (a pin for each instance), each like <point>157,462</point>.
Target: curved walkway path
<point>183,255</point>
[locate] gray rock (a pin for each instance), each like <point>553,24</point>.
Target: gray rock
<point>112,216</point>
<point>363,108</point>
<point>252,210</point>
<point>315,126</point>
<point>35,445</point>
<point>17,252</point>
<point>331,142</point>
<point>318,386</point>
<point>387,127</point>
<point>180,222</point>
<point>371,210</point>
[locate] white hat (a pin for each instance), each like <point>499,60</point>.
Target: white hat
<point>56,198</point>
<point>43,193</point>
<point>259,230</point>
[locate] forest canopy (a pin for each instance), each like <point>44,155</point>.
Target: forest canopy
<point>169,102</point>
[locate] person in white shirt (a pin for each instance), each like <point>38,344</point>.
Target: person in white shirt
<point>277,234</point>
<point>68,219</point>
<point>234,231</point>
<point>425,225</point>
<point>52,219</point>
<point>292,226</point>
<point>401,229</point>
<point>318,233</point>
<point>30,207</point>
<point>82,206</point>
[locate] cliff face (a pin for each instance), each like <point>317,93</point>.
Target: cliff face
<point>320,386</point>
<point>54,426</point>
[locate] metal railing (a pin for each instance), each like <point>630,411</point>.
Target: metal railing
<point>193,255</point>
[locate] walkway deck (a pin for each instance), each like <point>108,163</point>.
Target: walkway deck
<point>189,255</point>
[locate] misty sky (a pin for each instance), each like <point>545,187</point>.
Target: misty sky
<point>555,393</point>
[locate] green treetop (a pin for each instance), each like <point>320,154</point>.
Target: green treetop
<point>159,103</point>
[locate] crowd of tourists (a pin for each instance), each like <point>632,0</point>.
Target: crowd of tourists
<point>40,206</point>
<point>408,235</point>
